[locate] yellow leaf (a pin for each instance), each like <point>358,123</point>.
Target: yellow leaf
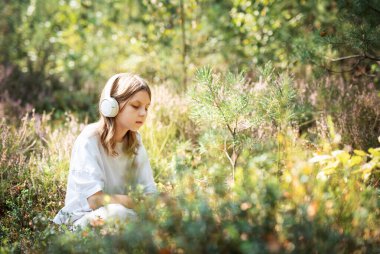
<point>280,138</point>
<point>374,151</point>
<point>355,160</point>
<point>360,153</point>
<point>287,177</point>
<point>330,168</point>
<point>328,171</point>
<point>320,158</point>
<point>365,169</point>
<point>365,176</point>
<point>322,176</point>
<point>343,157</point>
<point>336,152</point>
<point>307,170</point>
<point>299,190</point>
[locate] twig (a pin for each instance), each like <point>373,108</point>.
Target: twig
<point>184,45</point>
<point>343,71</point>
<point>230,159</point>
<point>346,57</point>
<point>373,8</point>
<point>375,58</point>
<point>220,109</point>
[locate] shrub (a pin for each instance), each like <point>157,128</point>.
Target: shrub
<point>33,174</point>
<point>311,199</point>
<point>355,109</point>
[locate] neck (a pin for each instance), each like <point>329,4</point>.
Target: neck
<point>119,134</point>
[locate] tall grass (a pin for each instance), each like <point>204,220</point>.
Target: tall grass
<point>319,198</point>
<point>355,108</point>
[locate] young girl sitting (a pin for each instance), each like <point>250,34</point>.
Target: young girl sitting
<point>108,157</point>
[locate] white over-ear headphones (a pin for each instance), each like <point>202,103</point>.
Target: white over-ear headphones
<point>109,107</point>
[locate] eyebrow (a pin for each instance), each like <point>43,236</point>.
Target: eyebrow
<point>140,102</point>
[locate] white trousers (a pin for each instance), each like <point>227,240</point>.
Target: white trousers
<point>108,213</point>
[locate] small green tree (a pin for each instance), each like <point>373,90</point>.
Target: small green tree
<point>278,102</point>
<point>225,104</point>
<point>279,106</point>
<point>233,109</point>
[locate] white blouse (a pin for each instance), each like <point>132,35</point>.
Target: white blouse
<point>93,170</point>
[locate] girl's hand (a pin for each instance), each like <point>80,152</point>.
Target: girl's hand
<point>100,199</point>
<point>123,199</point>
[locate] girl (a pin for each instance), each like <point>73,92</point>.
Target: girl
<point>108,157</point>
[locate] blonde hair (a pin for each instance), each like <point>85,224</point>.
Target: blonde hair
<point>123,88</point>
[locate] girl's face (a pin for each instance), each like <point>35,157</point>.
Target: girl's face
<point>133,112</point>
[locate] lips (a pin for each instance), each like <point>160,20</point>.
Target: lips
<point>139,122</point>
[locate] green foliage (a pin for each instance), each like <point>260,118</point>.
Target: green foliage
<point>167,129</point>
<point>220,100</point>
<point>278,102</point>
<point>302,209</point>
<point>227,104</point>
<point>33,169</point>
<point>340,162</point>
<point>348,44</point>
<point>297,212</point>
<point>361,30</point>
<point>54,50</point>
<point>315,192</point>
<point>355,109</point>
<point>273,31</point>
<point>237,109</point>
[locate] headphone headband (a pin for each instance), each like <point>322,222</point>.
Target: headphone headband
<point>109,107</point>
<point>109,85</point>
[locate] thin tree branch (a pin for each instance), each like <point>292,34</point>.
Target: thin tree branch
<point>361,57</point>
<point>226,152</point>
<point>346,57</point>
<point>373,8</point>
<point>236,125</point>
<point>184,45</point>
<point>375,58</point>
<point>343,71</point>
<point>221,111</point>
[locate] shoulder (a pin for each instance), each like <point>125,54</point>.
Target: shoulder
<point>138,137</point>
<point>141,151</point>
<point>90,131</point>
<point>89,138</point>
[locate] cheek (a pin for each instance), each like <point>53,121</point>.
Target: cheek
<point>125,115</point>
<point>127,111</point>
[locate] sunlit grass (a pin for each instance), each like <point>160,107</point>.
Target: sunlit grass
<point>299,198</point>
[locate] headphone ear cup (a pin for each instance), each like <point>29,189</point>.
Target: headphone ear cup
<point>109,107</point>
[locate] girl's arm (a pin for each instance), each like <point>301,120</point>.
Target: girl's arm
<point>100,199</point>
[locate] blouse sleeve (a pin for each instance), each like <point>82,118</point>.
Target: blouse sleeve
<point>86,173</point>
<point>144,170</point>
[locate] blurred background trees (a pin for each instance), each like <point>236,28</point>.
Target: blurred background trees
<point>284,93</point>
<point>57,54</point>
<point>57,46</point>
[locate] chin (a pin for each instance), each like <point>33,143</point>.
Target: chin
<point>134,129</point>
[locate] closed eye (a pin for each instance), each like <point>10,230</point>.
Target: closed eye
<point>137,107</point>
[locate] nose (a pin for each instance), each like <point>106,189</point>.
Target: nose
<point>142,112</point>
